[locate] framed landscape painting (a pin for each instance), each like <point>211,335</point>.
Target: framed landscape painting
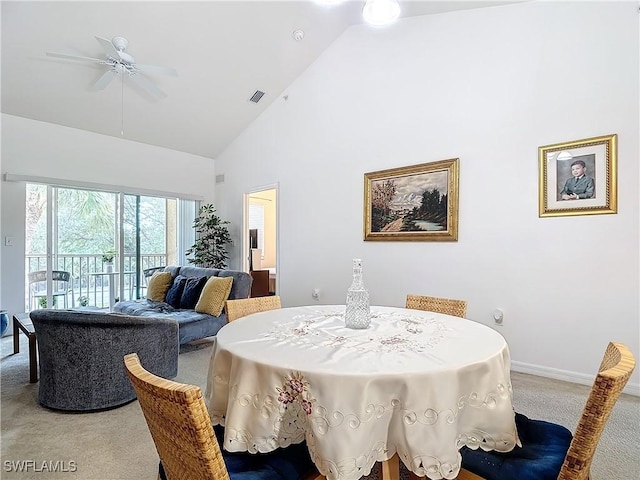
<point>578,177</point>
<point>415,203</point>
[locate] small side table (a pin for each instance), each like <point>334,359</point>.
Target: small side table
<point>22,323</point>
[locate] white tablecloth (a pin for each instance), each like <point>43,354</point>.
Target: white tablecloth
<point>415,383</point>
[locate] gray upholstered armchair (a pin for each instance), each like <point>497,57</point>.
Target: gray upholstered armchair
<point>81,356</point>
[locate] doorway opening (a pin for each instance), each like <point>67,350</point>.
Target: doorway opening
<point>260,239</point>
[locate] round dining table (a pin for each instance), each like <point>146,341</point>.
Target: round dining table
<point>414,383</point>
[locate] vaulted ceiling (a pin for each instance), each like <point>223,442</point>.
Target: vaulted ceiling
<point>223,52</point>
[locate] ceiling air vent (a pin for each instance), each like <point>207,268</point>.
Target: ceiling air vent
<point>255,98</point>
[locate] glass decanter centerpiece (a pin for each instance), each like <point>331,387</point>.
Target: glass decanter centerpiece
<point>358,312</point>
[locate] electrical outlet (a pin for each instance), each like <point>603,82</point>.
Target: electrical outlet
<point>498,316</point>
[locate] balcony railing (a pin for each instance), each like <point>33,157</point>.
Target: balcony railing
<point>88,288</point>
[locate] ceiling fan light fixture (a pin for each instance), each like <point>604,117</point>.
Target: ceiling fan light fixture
<point>120,43</point>
<point>381,12</point>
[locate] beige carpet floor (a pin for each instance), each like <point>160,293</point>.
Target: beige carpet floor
<point>116,445</point>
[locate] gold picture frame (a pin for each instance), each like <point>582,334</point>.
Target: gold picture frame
<point>415,203</point>
<point>579,177</point>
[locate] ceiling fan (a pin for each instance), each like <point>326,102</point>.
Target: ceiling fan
<point>119,62</point>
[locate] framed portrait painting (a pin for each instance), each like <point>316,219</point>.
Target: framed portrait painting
<point>415,203</point>
<point>578,177</point>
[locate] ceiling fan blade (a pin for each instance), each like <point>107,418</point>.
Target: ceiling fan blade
<point>104,80</point>
<point>147,85</point>
<point>75,57</point>
<point>157,69</point>
<point>108,47</point>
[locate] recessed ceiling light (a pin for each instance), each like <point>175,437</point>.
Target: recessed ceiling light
<point>381,12</point>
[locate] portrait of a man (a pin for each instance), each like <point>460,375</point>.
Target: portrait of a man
<point>580,182</point>
<point>578,177</point>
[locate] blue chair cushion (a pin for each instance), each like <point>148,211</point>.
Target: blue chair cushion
<point>544,447</point>
<point>291,463</point>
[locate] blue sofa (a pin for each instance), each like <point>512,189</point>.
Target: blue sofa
<point>192,325</point>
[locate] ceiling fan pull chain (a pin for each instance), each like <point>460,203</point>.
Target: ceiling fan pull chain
<point>122,107</point>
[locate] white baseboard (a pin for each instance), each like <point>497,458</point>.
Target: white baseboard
<point>567,376</point>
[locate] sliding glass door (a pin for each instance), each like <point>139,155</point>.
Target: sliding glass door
<point>77,232</point>
<point>67,231</point>
<point>150,238</point>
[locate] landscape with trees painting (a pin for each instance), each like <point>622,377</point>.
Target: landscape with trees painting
<point>413,203</point>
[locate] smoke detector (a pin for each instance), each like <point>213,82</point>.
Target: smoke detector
<point>298,35</point>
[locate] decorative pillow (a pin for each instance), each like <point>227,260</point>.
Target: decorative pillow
<point>214,294</point>
<point>191,292</point>
<point>174,294</point>
<point>159,283</point>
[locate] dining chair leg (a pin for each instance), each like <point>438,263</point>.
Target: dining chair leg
<point>315,476</point>
<point>467,475</point>
<point>391,469</point>
<point>413,476</point>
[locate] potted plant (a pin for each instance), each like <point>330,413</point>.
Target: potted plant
<point>43,302</point>
<point>107,259</point>
<point>210,248</point>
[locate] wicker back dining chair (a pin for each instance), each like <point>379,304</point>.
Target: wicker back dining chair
<point>447,306</point>
<point>246,306</point>
<point>187,445</point>
<point>548,450</point>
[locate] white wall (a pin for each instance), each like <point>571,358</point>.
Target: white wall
<point>488,86</point>
<point>41,149</point>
